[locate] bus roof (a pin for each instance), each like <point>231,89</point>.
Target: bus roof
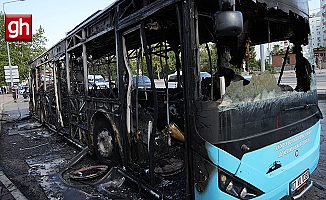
<point>280,14</point>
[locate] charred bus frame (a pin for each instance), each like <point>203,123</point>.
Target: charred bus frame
<point>112,120</point>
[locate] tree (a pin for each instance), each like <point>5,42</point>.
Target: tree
<point>162,63</point>
<point>204,58</point>
<point>276,49</point>
<point>253,63</point>
<point>20,52</point>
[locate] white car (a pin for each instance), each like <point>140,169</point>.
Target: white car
<point>97,81</point>
<point>172,78</point>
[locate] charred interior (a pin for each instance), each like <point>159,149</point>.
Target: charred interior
<point>145,126</point>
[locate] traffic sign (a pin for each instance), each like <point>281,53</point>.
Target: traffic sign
<point>14,75</point>
<point>13,72</point>
<point>12,67</point>
<point>13,80</point>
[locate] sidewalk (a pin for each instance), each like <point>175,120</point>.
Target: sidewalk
<point>11,111</point>
<point>8,191</point>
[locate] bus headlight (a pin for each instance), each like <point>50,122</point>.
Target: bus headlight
<point>243,193</point>
<point>229,187</point>
<point>236,187</point>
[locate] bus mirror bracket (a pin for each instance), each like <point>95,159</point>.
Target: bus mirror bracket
<point>228,23</point>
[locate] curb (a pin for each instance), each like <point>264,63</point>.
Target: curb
<point>8,191</point>
<point>11,188</point>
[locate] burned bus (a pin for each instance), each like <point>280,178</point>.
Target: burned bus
<point>221,136</point>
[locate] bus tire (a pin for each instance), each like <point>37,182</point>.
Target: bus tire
<point>105,147</point>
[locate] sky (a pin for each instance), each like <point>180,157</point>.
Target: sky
<point>60,16</point>
<point>56,16</point>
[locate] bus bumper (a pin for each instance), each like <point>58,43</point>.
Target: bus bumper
<point>298,196</point>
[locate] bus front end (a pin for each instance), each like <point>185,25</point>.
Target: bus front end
<point>257,150</point>
<point>259,142</point>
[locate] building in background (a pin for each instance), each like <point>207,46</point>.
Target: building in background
<point>323,19</point>
<point>316,28</point>
<point>274,52</point>
<point>279,59</point>
<point>272,49</point>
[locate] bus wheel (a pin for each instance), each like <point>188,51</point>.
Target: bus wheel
<point>104,143</point>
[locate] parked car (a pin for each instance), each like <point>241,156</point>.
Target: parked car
<point>97,81</point>
<point>172,78</point>
<point>143,81</point>
<point>23,88</point>
<point>204,75</point>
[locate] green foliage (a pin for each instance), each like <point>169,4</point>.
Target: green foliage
<point>320,48</point>
<point>254,64</point>
<point>105,66</point>
<point>268,66</point>
<point>276,50</point>
<point>204,58</point>
<point>20,52</point>
<point>161,65</point>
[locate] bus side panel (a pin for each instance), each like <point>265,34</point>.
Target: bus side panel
<point>222,158</point>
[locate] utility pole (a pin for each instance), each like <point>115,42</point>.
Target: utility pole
<point>8,49</point>
<point>262,58</point>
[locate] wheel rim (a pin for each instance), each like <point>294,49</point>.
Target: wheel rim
<point>105,144</point>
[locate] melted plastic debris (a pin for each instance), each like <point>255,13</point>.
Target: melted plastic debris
<point>170,167</point>
<point>44,168</point>
<point>89,172</point>
<point>308,53</point>
<point>28,130</point>
<point>112,185</point>
<point>261,87</point>
<point>54,187</point>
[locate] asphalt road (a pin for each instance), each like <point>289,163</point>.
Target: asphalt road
<point>290,79</point>
<point>318,191</point>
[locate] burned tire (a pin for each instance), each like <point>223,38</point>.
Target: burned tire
<point>105,146</point>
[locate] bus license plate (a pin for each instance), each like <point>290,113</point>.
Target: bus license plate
<point>298,182</point>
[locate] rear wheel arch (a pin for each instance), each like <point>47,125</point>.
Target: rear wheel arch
<point>104,139</point>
